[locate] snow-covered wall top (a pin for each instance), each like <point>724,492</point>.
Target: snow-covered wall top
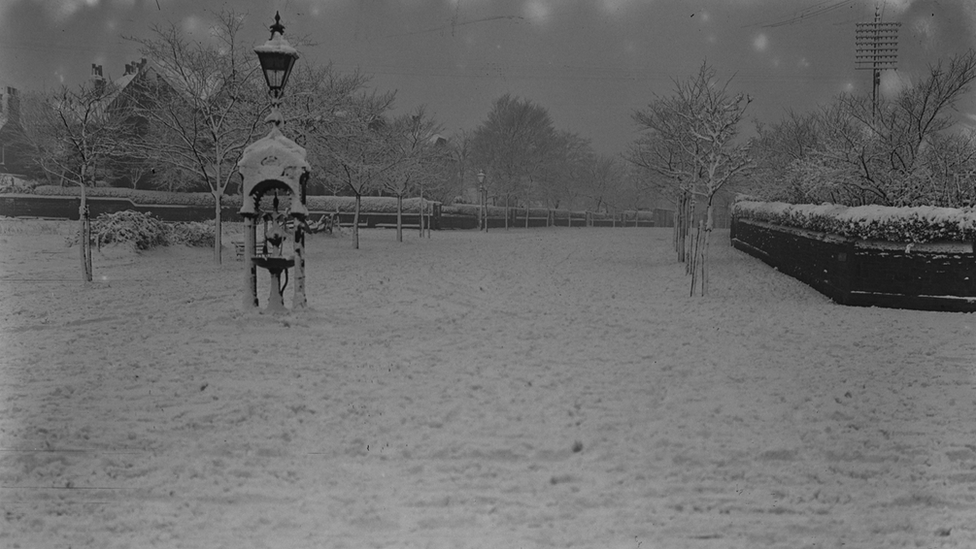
<point>917,224</point>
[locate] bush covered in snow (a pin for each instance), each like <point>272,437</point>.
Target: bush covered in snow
<point>917,224</point>
<point>194,233</point>
<point>145,231</point>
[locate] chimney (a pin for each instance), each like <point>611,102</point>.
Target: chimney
<point>128,70</point>
<point>97,79</point>
<point>10,103</point>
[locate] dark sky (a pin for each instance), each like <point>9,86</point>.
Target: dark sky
<point>591,63</point>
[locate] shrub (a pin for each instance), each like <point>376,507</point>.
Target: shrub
<point>369,204</point>
<point>461,209</point>
<point>916,224</point>
<point>197,234</point>
<point>144,231</point>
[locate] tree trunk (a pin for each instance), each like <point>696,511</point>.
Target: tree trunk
<point>676,232</point>
<point>400,218</point>
<point>299,301</point>
<point>696,258</point>
<point>84,235</point>
<point>355,224</point>
<point>422,211</point>
<point>526,216</point>
<point>691,258</point>
<point>709,225</point>
<point>218,245</point>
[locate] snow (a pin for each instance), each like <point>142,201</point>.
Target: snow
<point>434,394</point>
<point>964,217</point>
<point>274,157</point>
<point>277,44</point>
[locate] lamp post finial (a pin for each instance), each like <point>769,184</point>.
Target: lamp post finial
<point>277,27</point>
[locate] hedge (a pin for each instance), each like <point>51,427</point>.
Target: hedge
<point>136,195</point>
<point>373,204</point>
<point>917,224</point>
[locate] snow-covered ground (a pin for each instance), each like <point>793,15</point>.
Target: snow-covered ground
<point>524,388</point>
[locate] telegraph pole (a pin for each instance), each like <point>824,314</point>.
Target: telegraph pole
<point>876,49</point>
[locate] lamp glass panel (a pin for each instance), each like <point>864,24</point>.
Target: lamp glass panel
<point>276,66</point>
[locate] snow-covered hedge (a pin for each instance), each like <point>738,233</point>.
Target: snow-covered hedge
<point>918,224</point>
<point>370,204</point>
<point>136,195</point>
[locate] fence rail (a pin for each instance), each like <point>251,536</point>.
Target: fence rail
<point>446,217</point>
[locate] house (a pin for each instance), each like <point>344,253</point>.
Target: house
<point>131,91</point>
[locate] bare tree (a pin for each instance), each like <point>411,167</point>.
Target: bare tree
<point>72,133</point>
<point>605,181</point>
<point>206,105</point>
<point>319,100</point>
<point>902,154</point>
<point>360,149</point>
<point>512,145</point>
<point>562,175</point>
<point>777,150</point>
<point>412,148</point>
<point>691,139</point>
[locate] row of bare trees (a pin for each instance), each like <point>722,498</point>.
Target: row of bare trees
<point>689,150</point>
<point>902,151</point>
<point>906,152</point>
<point>527,161</point>
<point>196,104</point>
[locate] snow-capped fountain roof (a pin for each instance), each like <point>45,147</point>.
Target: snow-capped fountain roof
<point>274,157</point>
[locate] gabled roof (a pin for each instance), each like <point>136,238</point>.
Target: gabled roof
<point>144,70</point>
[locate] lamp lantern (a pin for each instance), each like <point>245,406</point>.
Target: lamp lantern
<point>277,58</point>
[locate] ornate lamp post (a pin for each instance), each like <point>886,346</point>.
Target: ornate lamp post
<point>271,165</point>
<point>483,196</point>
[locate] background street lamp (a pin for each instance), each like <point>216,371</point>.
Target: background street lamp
<point>483,195</point>
<point>277,57</point>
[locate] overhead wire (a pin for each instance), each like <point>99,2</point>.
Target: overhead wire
<point>815,10</point>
